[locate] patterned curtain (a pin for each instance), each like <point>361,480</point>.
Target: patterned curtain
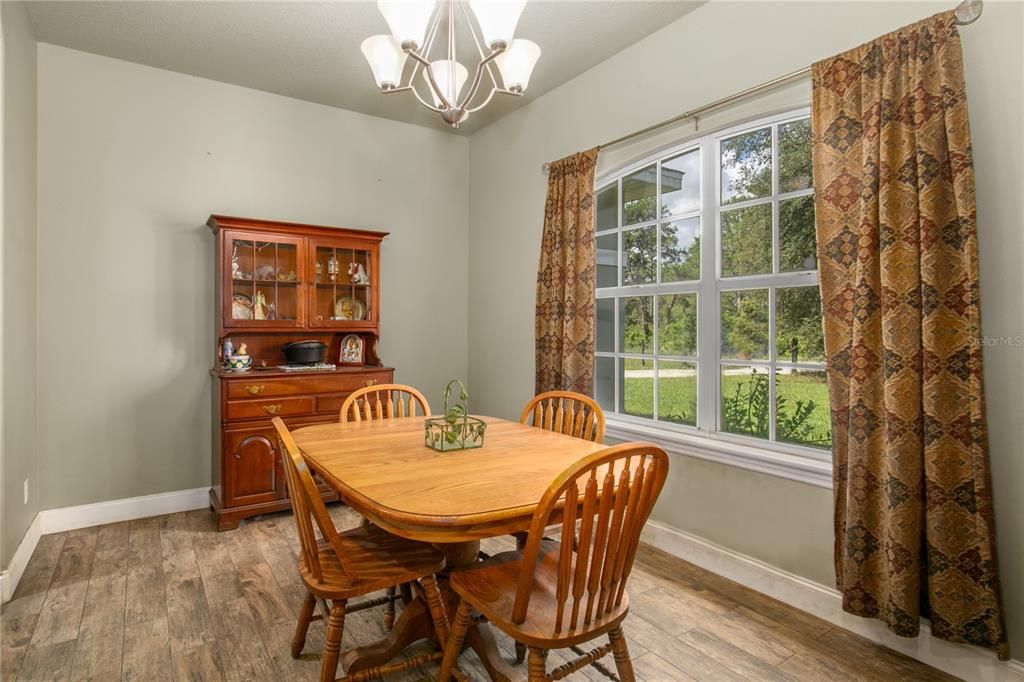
<point>565,278</point>
<point>898,258</point>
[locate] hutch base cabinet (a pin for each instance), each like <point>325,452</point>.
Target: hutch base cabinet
<point>278,283</point>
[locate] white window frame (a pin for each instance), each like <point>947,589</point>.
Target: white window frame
<point>795,462</point>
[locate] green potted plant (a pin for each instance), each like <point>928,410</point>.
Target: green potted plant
<point>456,430</point>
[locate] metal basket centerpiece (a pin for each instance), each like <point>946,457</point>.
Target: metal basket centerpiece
<point>456,430</point>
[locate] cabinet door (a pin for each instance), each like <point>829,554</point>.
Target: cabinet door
<point>343,284</point>
<point>264,281</point>
<point>252,467</point>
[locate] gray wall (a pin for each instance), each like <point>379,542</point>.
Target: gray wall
<point>19,458</point>
<point>719,49</point>
<point>132,160</point>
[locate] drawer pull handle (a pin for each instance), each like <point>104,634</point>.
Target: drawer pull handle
<point>272,409</point>
<point>255,389</point>
<point>369,382</point>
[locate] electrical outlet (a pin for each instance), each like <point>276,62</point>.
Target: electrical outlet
<point>26,491</point>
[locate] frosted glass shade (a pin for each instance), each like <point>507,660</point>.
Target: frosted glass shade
<point>386,60</point>
<point>517,62</point>
<point>497,19</point>
<point>407,19</point>
<point>442,74</point>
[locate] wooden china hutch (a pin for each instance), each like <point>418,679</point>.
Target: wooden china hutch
<point>278,283</point>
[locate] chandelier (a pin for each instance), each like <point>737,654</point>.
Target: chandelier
<point>414,28</point>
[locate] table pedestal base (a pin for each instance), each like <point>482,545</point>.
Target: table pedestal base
<point>415,624</point>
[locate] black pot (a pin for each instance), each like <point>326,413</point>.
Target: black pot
<point>305,352</point>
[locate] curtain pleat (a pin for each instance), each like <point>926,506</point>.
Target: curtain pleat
<point>565,279</point>
<point>898,263</point>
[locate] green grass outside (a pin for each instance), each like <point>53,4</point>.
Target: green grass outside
<point>679,398</point>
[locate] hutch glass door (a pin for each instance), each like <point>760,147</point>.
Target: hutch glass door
<point>265,275</point>
<point>343,277</point>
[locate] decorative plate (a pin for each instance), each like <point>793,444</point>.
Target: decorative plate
<point>241,307</point>
<point>348,308</point>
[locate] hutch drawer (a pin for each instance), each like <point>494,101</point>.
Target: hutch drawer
<point>274,407</point>
<point>304,385</point>
<point>265,388</point>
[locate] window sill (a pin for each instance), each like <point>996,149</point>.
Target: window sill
<point>762,460</point>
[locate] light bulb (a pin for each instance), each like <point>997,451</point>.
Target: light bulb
<point>516,64</point>
<point>407,19</point>
<point>442,74</point>
<point>497,19</point>
<point>386,60</point>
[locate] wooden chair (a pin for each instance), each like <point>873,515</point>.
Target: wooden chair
<point>572,414</point>
<point>353,563</point>
<point>551,597</point>
<point>383,401</point>
<point>568,413</point>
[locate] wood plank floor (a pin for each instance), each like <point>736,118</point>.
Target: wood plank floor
<point>169,598</point>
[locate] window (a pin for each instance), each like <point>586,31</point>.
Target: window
<point>708,312</point>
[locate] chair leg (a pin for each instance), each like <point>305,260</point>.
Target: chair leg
<point>623,664</point>
<point>536,668</point>
<point>406,591</point>
<point>332,644</point>
<point>305,615</point>
<point>436,605</point>
<point>389,608</point>
<point>455,639</point>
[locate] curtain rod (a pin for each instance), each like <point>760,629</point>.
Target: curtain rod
<point>967,12</point>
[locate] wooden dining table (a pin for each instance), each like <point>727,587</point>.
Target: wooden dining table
<point>383,470</point>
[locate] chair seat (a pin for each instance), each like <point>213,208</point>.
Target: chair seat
<point>378,559</point>
<point>491,588</point>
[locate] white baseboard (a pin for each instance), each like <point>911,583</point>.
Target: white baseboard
<point>10,577</point>
<point>966,662</point>
<point>128,509</point>
<point>96,514</point>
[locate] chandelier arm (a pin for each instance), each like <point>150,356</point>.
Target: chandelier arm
<point>484,103</point>
<point>478,75</point>
<point>430,78</point>
<point>494,81</point>
<point>418,96</point>
<point>490,96</point>
<point>484,61</point>
<point>472,31</point>
<point>419,60</point>
<point>416,93</point>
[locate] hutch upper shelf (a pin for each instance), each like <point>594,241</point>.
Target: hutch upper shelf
<point>282,276</point>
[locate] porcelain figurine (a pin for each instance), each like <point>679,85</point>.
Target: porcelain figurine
<point>259,307</point>
<point>358,274</point>
<point>240,361</point>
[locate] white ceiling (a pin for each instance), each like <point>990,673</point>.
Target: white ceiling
<point>310,50</point>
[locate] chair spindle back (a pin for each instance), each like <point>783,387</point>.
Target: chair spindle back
<point>307,507</point>
<point>383,401</point>
<point>609,495</point>
<point>568,413</point>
